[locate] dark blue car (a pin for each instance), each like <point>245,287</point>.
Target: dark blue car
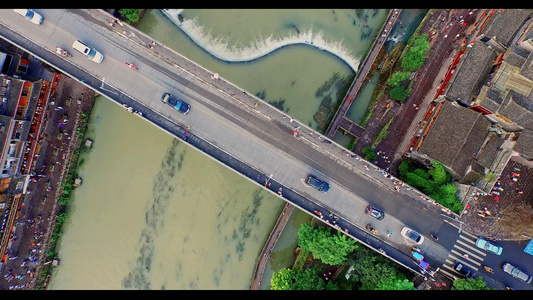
<point>317,183</point>
<point>179,105</point>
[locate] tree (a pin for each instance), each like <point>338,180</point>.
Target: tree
<point>308,279</point>
<point>282,280</point>
<point>399,93</point>
<point>369,153</point>
<point>397,78</point>
<point>414,57</point>
<point>396,285</point>
<point>332,249</point>
<point>370,270</point>
<point>129,14</point>
<point>469,284</point>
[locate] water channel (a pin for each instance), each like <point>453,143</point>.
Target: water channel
<point>153,213</point>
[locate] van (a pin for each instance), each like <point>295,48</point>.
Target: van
<point>91,53</point>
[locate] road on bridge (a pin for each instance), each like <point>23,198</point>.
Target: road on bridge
<point>256,141</point>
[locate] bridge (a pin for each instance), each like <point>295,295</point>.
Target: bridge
<point>258,142</point>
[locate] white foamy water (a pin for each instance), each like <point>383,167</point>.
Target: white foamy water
<point>221,48</point>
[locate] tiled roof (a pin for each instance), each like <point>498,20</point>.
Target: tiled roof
<point>470,76</point>
<point>524,144</point>
<point>505,24</point>
<point>455,137</point>
<point>518,109</point>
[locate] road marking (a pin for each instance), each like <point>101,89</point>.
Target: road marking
<point>468,246</point>
<point>461,259</point>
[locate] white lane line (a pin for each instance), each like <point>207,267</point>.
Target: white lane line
<point>470,253</point>
<point>461,259</point>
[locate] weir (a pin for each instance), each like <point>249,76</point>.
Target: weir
<point>261,47</point>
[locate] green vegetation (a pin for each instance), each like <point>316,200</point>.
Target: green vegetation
<point>369,153</point>
<point>434,182</point>
<point>415,55</point>
<point>383,133</point>
<point>368,270</point>
<point>399,93</point>
<point>397,78</point>
<point>130,15</point>
<point>469,284</point>
<point>331,249</point>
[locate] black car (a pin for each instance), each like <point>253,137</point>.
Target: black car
<point>179,105</point>
<point>317,183</point>
<point>463,270</point>
<point>374,212</point>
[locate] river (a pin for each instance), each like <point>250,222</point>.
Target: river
<point>153,213</point>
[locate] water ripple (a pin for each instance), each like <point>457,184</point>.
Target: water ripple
<point>162,190</point>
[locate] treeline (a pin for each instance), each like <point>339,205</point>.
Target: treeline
<point>359,267</point>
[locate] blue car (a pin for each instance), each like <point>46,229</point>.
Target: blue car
<point>317,183</point>
<point>488,246</point>
<point>178,105</point>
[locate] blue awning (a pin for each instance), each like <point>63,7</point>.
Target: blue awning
<point>529,248</point>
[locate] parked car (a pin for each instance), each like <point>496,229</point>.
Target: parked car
<point>463,270</point>
<point>88,51</point>
<point>374,212</point>
<point>488,246</point>
<point>30,15</point>
<point>516,272</point>
<point>173,101</point>
<point>317,183</point>
<point>412,235</point>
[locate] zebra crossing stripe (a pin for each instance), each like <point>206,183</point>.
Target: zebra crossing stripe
<point>466,263</point>
<point>467,233</point>
<point>473,248</point>
<point>470,253</point>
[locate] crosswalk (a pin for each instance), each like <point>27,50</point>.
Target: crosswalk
<point>465,252</point>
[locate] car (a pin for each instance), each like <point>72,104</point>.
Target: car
<point>374,212</point>
<point>317,183</point>
<point>173,101</point>
<point>412,235</point>
<point>30,15</point>
<point>88,51</point>
<point>516,272</point>
<point>463,270</point>
<point>488,246</point>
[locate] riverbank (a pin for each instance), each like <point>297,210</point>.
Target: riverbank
<point>38,227</point>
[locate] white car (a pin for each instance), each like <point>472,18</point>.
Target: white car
<point>30,15</point>
<point>412,235</point>
<point>90,52</point>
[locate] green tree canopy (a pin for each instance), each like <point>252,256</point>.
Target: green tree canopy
<point>332,249</point>
<point>469,284</point>
<point>415,55</point>
<point>399,93</point>
<point>369,153</point>
<point>282,280</point>
<point>397,78</point>
<point>371,270</point>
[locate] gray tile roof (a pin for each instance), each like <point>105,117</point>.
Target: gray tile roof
<point>524,144</point>
<point>471,74</point>
<point>455,137</point>
<point>505,24</point>
<point>488,151</point>
<point>518,109</point>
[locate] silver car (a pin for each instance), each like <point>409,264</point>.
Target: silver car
<point>516,272</point>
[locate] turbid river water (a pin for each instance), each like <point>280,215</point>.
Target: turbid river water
<point>154,213</point>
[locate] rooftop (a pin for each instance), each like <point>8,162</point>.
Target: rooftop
<point>461,131</point>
